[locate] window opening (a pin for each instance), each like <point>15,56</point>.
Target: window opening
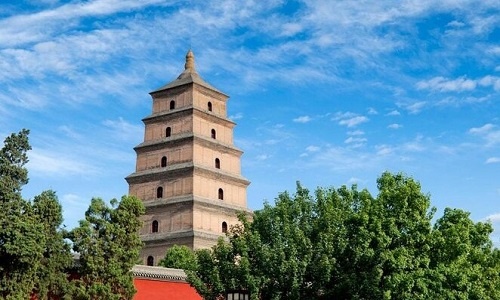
<point>224,227</point>
<point>163,161</point>
<point>151,261</point>
<point>217,163</point>
<point>172,104</point>
<point>168,131</point>
<point>154,226</point>
<point>221,194</point>
<point>159,192</point>
<point>209,106</point>
<point>214,135</point>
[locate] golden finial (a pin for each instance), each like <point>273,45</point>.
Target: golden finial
<point>189,61</point>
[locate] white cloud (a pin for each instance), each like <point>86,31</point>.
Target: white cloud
<point>25,28</point>
<point>57,164</point>
<point>237,116</point>
<point>263,157</point>
<point>290,29</point>
<point>123,129</point>
<point>354,140</point>
<point>493,81</point>
<point>483,129</point>
<point>313,148</point>
<point>488,132</point>
<point>460,84</point>
<point>393,113</point>
<point>493,218</point>
<point>302,119</point>
<point>416,107</point>
<point>349,119</point>
<point>394,126</point>
<point>455,23</point>
<point>493,160</point>
<point>383,150</point>
<point>356,132</point>
<point>372,111</point>
<point>354,121</point>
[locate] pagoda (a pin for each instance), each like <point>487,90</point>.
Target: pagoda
<point>188,171</point>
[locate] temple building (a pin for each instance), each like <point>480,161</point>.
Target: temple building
<point>188,171</point>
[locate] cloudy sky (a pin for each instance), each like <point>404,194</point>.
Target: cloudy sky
<point>324,92</point>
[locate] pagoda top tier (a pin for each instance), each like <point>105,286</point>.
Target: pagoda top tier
<point>187,77</point>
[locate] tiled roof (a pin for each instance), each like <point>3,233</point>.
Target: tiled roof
<point>188,76</point>
<point>158,273</point>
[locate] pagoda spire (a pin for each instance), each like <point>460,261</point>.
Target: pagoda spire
<point>189,65</point>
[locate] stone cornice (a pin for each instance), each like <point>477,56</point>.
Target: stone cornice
<point>221,205</point>
<point>184,138</point>
<point>175,170</point>
<point>168,115</point>
<point>187,111</point>
<point>161,238</point>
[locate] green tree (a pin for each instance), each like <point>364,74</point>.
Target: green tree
<point>57,260</point>
<point>464,264</point>
<point>346,244</point>
<point>108,243</point>
<point>33,253</point>
<point>180,257</point>
<point>21,238</point>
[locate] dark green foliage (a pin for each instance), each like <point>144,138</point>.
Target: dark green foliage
<point>53,274</point>
<point>108,243</point>
<point>345,244</point>
<point>33,253</point>
<point>180,257</point>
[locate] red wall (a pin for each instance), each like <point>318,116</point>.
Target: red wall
<point>148,289</point>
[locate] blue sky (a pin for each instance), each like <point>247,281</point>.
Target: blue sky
<point>324,92</point>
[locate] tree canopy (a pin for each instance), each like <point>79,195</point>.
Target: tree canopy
<point>180,257</point>
<point>35,256</point>
<point>33,253</point>
<point>108,243</point>
<point>347,244</point>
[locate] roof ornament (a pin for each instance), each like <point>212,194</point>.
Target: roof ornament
<point>189,61</point>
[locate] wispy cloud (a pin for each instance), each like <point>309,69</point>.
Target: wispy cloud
<point>393,113</point>
<point>262,157</point>
<point>44,163</point>
<point>488,132</point>
<point>356,132</point>
<point>123,130</point>
<point>237,116</point>
<point>302,119</point>
<point>442,84</point>
<point>394,126</point>
<point>415,108</point>
<point>460,84</point>
<point>312,148</point>
<point>493,160</point>
<point>349,119</point>
<point>493,218</point>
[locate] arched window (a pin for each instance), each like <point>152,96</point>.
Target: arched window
<point>221,194</point>
<point>168,131</point>
<point>209,106</point>
<point>172,104</point>
<point>154,226</point>
<point>217,163</point>
<point>163,161</point>
<point>151,261</point>
<point>214,135</point>
<point>224,227</point>
<point>159,192</point>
